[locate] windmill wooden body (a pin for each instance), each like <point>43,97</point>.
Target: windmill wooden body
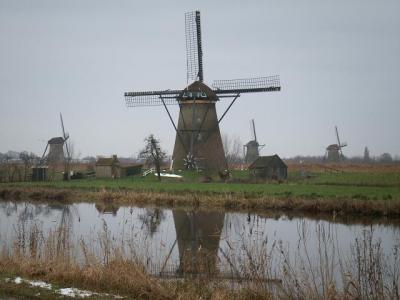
<point>56,150</point>
<point>198,143</point>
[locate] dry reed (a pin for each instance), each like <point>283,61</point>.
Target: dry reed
<point>265,271</point>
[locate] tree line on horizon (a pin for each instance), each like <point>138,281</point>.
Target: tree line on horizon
<point>233,152</point>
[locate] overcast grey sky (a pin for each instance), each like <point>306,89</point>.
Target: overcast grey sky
<point>339,64</point>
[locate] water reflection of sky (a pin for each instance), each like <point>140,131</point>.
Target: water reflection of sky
<point>161,233</point>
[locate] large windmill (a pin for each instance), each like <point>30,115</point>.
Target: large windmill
<point>334,152</point>
<point>56,145</point>
<point>252,147</point>
<point>198,142</point>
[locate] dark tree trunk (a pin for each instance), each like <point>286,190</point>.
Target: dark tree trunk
<point>158,171</point>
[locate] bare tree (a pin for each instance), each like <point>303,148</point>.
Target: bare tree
<point>153,153</point>
<point>28,160</point>
<point>73,154</point>
<point>233,148</point>
<point>3,167</point>
<point>385,158</point>
<point>152,218</point>
<point>8,167</point>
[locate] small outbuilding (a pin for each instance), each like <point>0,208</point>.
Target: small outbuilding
<point>268,168</point>
<point>39,173</point>
<point>108,167</point>
<point>131,170</point>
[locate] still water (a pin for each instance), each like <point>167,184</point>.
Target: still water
<point>173,241</point>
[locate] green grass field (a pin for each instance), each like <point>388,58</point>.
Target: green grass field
<point>348,185</point>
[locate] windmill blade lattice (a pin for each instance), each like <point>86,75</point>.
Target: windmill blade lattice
<point>152,98</point>
<point>247,85</point>
<point>254,130</point>
<point>194,51</point>
<point>65,137</point>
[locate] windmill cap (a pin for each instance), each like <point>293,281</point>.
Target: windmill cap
<point>333,147</point>
<point>198,91</point>
<point>56,140</point>
<point>252,143</point>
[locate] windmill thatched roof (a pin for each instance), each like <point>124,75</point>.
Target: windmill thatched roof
<point>267,161</point>
<point>333,147</point>
<point>252,144</point>
<point>56,140</point>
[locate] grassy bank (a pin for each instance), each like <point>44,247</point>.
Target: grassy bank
<point>212,200</point>
<point>371,193</point>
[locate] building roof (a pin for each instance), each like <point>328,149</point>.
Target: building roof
<point>56,140</point>
<point>107,161</point>
<point>266,161</point>
<point>131,165</point>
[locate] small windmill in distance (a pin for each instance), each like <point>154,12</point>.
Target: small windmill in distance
<point>334,152</point>
<point>252,148</point>
<point>56,150</point>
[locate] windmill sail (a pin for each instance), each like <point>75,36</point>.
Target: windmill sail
<point>254,130</point>
<point>152,98</point>
<point>194,51</point>
<point>247,85</point>
<point>65,136</point>
<point>340,144</point>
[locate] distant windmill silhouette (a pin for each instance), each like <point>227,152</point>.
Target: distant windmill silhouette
<point>56,149</point>
<point>334,152</point>
<point>252,148</point>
